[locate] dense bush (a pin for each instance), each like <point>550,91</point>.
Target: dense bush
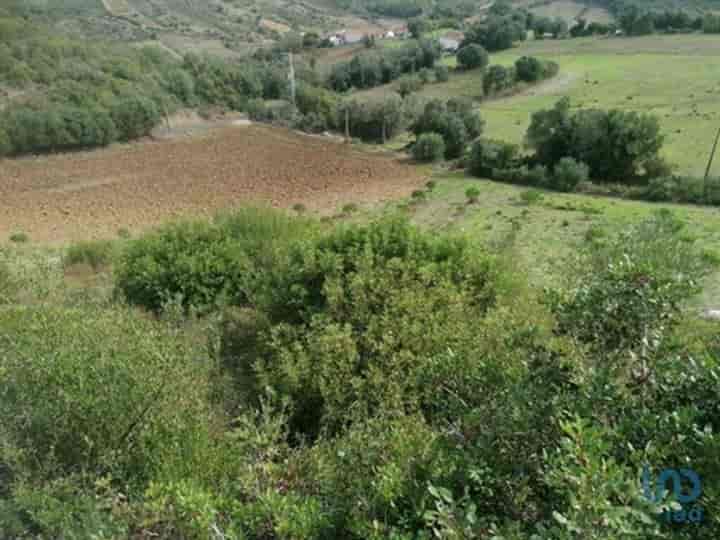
<point>375,120</point>
<point>332,303</point>
<point>531,69</point>
<point>455,121</point>
<point>204,263</point>
<point>567,174</point>
<point>631,287</point>
<point>375,68</point>
<point>498,78</point>
<point>614,144</point>
<point>429,147</point>
<point>490,156</point>
<point>473,56</point>
<point>382,382</point>
<point>496,33</point>
<point>106,393</point>
<point>442,73</point>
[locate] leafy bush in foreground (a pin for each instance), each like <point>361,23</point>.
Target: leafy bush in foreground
<point>96,393</point>
<point>365,305</point>
<point>203,263</point>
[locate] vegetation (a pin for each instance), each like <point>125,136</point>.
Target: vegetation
<point>368,363</point>
<point>375,68</point>
<point>429,147</point>
<point>614,144</point>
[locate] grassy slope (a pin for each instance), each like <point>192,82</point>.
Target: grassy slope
<point>551,229</point>
<point>676,78</point>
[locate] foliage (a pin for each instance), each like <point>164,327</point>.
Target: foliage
<point>568,173</point>
<point>473,56</point>
<point>376,120</point>
<point>90,393</point>
<point>455,121</point>
<point>375,68</point>
<point>429,147</point>
<point>488,156</point>
<point>615,144</point>
<point>204,263</point>
<point>94,253</point>
<point>496,33</point>
<point>498,78</point>
<point>332,302</point>
<point>630,288</point>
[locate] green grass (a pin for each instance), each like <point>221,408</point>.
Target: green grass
<point>676,78</point>
<point>548,231</point>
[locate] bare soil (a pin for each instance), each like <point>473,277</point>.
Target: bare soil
<point>69,197</point>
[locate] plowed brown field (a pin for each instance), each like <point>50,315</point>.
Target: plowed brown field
<point>93,194</point>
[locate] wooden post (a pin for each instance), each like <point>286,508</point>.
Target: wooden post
<point>709,165</point>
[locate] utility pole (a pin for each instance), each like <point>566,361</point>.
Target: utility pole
<point>709,165</point>
<point>292,80</point>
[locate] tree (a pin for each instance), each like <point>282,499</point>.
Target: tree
<point>497,79</point>
<point>495,34</point>
<point>528,69</point>
<point>473,56</point>
<point>455,121</point>
<point>417,27</point>
<point>134,116</point>
<point>614,144</point>
<point>429,147</point>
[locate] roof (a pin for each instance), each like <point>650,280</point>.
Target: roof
<point>449,44</point>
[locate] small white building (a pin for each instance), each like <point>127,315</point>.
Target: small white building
<point>449,45</point>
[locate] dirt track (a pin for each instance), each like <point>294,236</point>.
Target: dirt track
<point>68,197</point>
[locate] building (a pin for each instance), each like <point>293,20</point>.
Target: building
<point>449,45</point>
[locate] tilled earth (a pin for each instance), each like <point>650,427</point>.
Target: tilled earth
<point>61,198</point>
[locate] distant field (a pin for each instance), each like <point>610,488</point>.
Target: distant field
<point>676,78</point>
<point>569,11</point>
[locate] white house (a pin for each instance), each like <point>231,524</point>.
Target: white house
<point>449,45</point>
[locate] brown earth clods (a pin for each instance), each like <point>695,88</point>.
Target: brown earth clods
<point>69,197</point>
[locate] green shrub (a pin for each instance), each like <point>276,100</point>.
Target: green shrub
<point>531,197</point>
<point>134,117</point>
<point>363,305</point>
<point>409,85</point>
<point>529,69</point>
<point>454,120</point>
<point>19,238</point>
<point>442,73</point>
<point>429,147</point>
<point>473,56</point>
<point>498,78</point>
<point>568,173</point>
<point>106,392</point>
<point>96,254</point>
<point>630,288</point>
<point>204,263</point>
<point>472,194</point>
<point>489,155</point>
<point>614,144</point>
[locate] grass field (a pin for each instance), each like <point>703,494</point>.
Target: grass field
<point>676,78</point>
<point>543,234</point>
